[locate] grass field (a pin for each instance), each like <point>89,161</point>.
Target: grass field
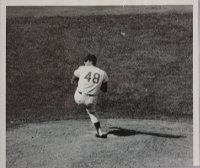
<point>148,58</point>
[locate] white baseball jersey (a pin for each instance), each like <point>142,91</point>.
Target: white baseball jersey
<point>90,79</point>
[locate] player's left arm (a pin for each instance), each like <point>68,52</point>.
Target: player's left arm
<point>104,84</point>
<point>103,87</point>
<point>74,79</point>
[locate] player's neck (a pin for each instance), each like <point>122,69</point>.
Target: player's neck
<point>89,65</point>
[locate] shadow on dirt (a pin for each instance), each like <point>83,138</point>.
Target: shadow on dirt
<point>126,132</point>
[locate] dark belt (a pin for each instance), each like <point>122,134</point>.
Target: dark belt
<point>87,94</point>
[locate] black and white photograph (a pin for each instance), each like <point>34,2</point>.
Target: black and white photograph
<point>101,86</point>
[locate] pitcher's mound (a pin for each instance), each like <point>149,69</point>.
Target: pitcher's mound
<point>130,143</point>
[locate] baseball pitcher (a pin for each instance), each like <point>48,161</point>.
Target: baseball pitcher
<point>91,80</point>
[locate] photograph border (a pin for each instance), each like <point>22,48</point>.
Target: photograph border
<point>5,3</point>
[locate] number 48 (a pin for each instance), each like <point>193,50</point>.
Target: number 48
<point>95,78</point>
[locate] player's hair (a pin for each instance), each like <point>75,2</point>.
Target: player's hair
<point>91,57</point>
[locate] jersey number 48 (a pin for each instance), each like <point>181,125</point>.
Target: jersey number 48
<point>95,77</point>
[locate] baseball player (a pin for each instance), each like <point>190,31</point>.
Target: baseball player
<point>91,80</point>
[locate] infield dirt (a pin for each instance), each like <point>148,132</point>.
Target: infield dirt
<point>72,144</point>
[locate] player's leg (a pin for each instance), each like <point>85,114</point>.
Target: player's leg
<point>95,120</point>
<point>91,110</point>
<point>79,98</point>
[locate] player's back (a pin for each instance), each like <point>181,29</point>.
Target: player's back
<point>90,79</point>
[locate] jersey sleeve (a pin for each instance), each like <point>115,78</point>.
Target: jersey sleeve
<point>105,77</point>
<point>77,72</point>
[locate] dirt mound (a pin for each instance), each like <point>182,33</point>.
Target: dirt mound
<point>130,143</point>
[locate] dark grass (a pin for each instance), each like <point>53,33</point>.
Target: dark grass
<point>150,68</point>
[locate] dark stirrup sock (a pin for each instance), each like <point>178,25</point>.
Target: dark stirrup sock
<point>97,126</point>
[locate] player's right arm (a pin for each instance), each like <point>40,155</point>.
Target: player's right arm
<point>74,79</point>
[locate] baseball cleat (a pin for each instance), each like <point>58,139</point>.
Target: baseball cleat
<point>102,136</point>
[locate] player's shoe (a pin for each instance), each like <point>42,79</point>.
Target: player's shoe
<point>102,136</point>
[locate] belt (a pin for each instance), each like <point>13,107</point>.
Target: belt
<point>87,94</point>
